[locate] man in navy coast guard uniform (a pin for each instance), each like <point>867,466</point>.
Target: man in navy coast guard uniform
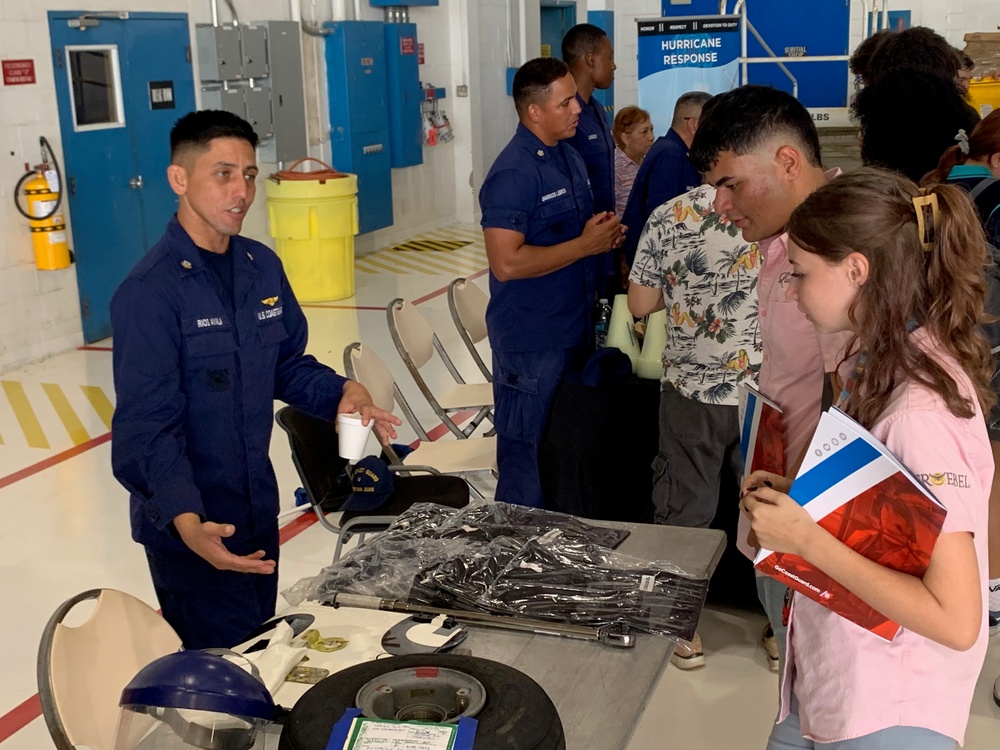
<point>541,237</point>
<point>207,334</point>
<point>587,52</point>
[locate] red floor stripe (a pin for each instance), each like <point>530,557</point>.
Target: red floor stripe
<point>295,527</point>
<point>18,718</point>
<point>51,461</point>
<point>444,289</point>
<point>89,348</point>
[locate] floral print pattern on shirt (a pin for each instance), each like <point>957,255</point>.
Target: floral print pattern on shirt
<point>708,275</point>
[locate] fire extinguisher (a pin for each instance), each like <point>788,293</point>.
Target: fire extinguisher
<point>43,196</point>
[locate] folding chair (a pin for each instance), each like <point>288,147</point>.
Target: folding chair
<point>82,670</point>
<point>460,457</point>
<point>416,343</point>
<point>467,304</point>
<point>313,443</point>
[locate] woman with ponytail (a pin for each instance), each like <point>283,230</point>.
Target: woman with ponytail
<point>899,268</point>
<point>973,163</point>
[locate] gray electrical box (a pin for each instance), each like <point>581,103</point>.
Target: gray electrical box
<point>285,82</point>
<point>228,100</point>
<point>268,55</point>
<point>219,55</point>
<point>258,111</point>
<point>254,46</point>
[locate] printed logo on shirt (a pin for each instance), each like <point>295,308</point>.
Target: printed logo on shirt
<point>943,478</point>
<point>556,194</point>
<point>592,137</point>
<point>270,301</point>
<point>209,322</point>
<point>274,312</point>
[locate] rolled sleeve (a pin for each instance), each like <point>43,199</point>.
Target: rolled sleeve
<point>507,200</point>
<point>147,436</point>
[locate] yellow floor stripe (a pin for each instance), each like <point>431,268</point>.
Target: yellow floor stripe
<point>470,264</point>
<point>77,432</point>
<point>378,263</point>
<point>440,251</point>
<point>99,400</point>
<point>468,267</point>
<point>438,265</point>
<point>404,261</point>
<point>25,414</point>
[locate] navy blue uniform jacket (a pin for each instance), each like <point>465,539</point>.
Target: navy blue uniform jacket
<point>665,173</point>
<point>543,193</point>
<point>196,388</point>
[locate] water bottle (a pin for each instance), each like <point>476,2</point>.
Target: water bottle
<point>602,318</point>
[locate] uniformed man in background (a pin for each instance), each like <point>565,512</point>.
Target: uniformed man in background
<point>542,236</point>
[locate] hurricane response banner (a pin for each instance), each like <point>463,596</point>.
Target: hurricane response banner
<point>677,55</point>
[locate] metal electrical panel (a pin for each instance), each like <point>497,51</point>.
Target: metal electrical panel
<point>288,104</point>
<point>253,45</point>
<point>258,111</point>
<point>228,100</point>
<point>403,77</point>
<point>219,56</point>
<point>252,104</point>
<point>359,118</point>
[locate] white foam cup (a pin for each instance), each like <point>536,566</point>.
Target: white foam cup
<point>352,436</point>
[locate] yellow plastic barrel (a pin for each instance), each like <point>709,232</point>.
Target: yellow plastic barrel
<point>313,218</point>
<point>985,95</point>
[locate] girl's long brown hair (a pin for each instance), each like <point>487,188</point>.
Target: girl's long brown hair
<point>984,141</point>
<point>871,211</point>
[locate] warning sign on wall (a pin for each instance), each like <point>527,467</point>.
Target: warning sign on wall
<point>420,53</point>
<point>18,72</point>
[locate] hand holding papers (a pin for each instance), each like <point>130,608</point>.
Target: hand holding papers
<point>762,443</point>
<point>853,487</point>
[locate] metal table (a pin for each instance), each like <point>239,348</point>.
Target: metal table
<point>601,691</point>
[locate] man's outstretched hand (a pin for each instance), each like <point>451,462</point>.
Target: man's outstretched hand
<point>204,538</point>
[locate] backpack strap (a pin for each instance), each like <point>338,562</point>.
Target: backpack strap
<point>981,186</point>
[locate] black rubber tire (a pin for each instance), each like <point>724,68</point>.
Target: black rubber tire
<point>518,715</point>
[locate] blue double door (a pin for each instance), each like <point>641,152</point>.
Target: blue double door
<point>122,80</point>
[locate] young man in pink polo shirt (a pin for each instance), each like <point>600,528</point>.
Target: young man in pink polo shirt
<point>759,148</point>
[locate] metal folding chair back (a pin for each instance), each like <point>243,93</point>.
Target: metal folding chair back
<point>467,304</point>
<point>82,670</point>
<point>458,457</point>
<point>416,343</point>
<point>313,443</point>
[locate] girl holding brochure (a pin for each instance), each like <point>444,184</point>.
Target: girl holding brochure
<point>900,268</point>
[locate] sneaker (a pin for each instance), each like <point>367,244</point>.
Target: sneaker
<point>996,691</point>
<point>770,644</point>
<point>994,623</point>
<point>688,654</point>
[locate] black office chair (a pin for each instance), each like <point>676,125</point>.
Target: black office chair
<point>322,471</point>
